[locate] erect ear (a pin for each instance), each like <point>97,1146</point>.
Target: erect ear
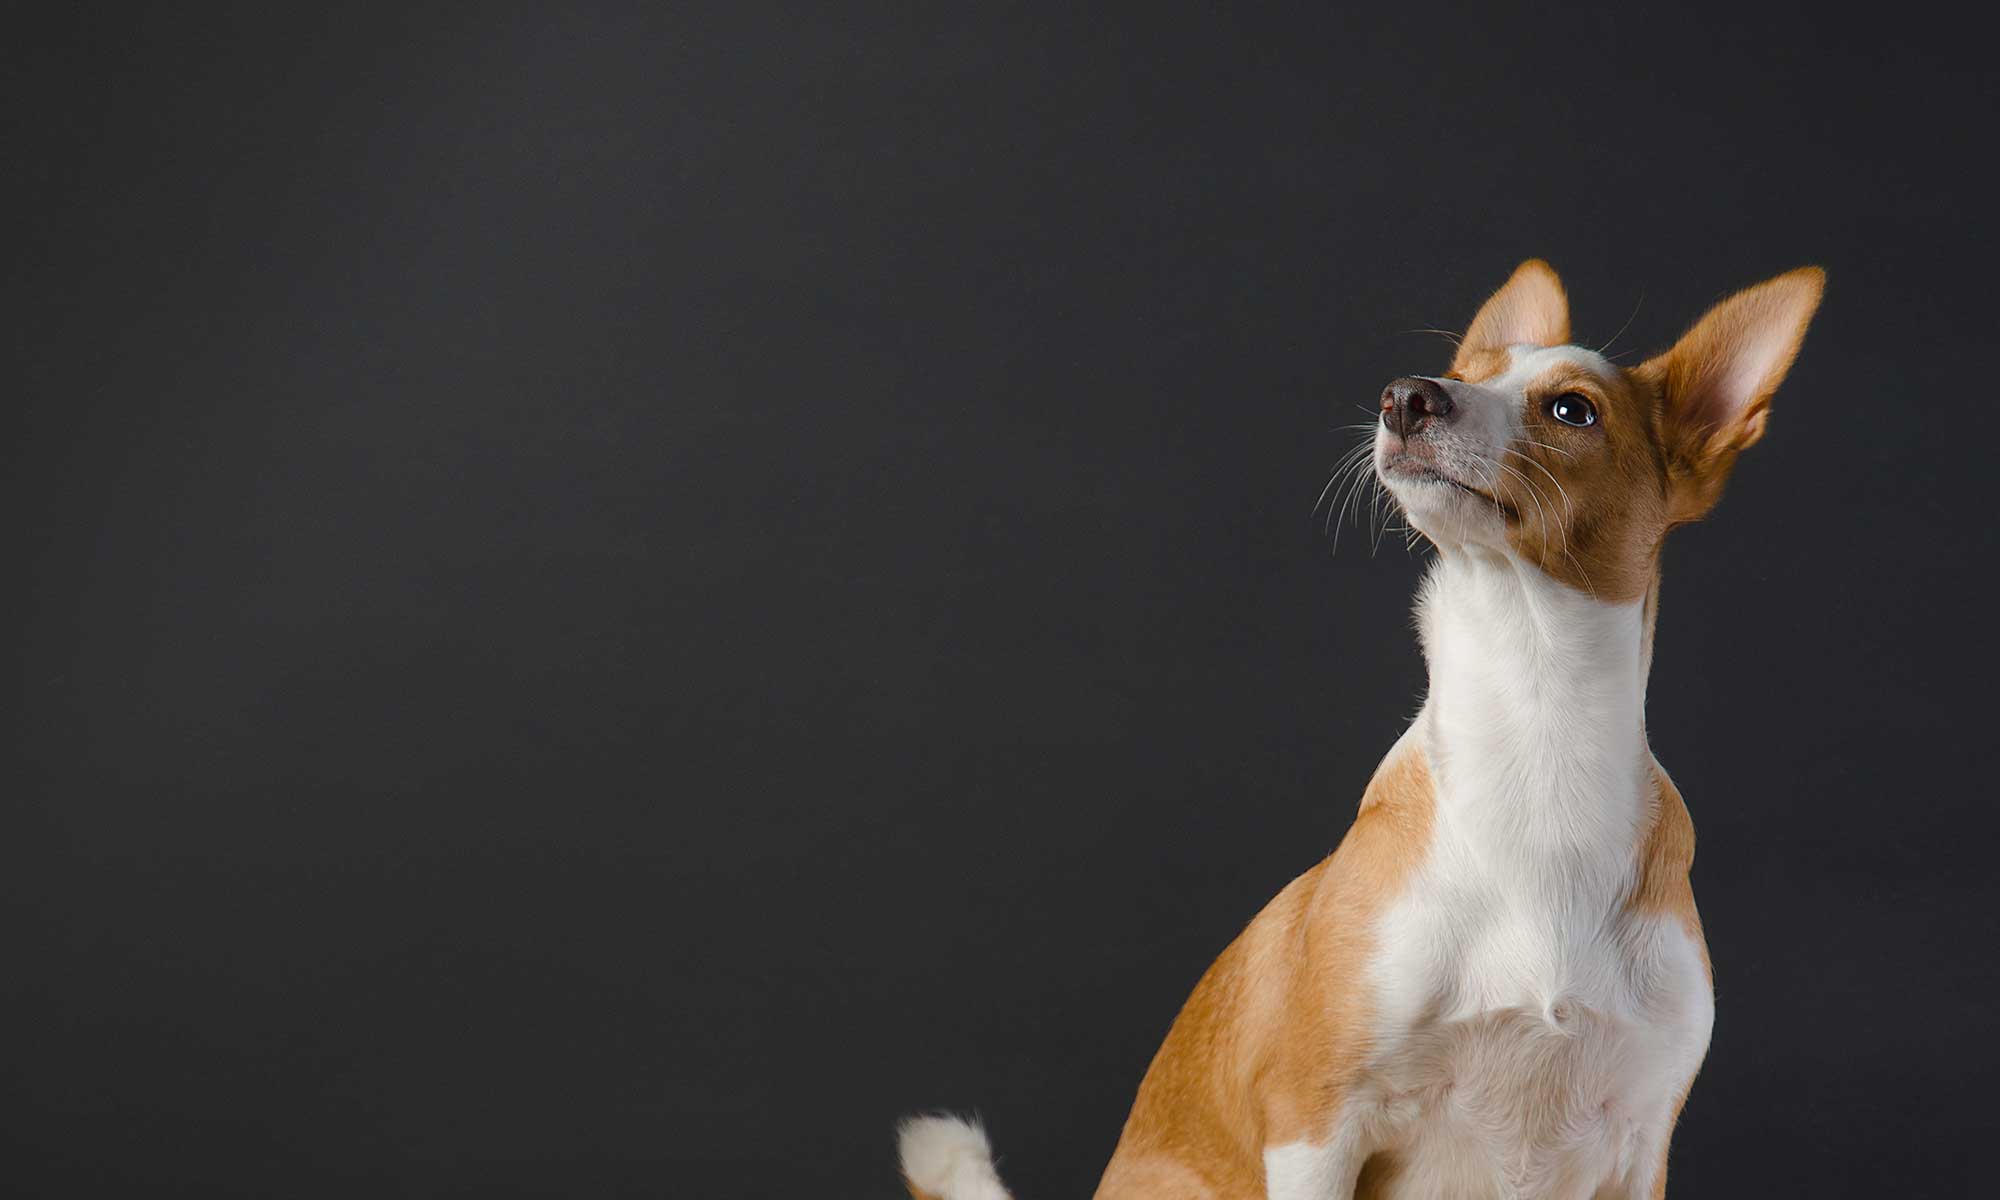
<point>1716,383</point>
<point>1530,307</point>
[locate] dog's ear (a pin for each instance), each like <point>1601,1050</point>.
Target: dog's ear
<point>1529,308</point>
<point>1715,385</point>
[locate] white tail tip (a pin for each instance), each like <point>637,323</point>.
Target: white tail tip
<point>949,1158</point>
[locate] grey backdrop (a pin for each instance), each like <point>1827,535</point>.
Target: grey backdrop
<point>616,596</point>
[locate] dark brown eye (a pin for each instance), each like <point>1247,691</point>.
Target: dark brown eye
<point>1571,408</point>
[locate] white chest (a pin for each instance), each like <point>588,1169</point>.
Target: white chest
<point>1519,1051</point>
<point>1533,1034</point>
<point>1529,1049</point>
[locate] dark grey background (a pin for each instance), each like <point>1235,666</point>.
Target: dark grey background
<point>615,598</point>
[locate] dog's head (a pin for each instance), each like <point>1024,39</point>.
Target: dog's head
<point>1560,458</point>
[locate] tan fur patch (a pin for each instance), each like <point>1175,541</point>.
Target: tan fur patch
<point>1265,1047</point>
<point>1663,886</point>
<point>1665,858</point>
<point>1588,506</point>
<point>1477,366</point>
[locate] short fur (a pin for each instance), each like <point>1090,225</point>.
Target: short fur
<point>1497,985</point>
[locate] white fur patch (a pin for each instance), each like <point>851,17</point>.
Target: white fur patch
<point>1533,1034</point>
<point>948,1157</point>
<point>1304,1171</point>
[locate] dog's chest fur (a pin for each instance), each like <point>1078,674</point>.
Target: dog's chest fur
<point>1530,1042</point>
<point>1533,1031</point>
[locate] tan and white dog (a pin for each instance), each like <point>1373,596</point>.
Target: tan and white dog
<point>1497,985</point>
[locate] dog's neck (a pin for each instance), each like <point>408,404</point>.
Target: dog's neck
<point>1535,718</point>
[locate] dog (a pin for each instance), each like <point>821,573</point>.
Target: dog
<point>1497,985</point>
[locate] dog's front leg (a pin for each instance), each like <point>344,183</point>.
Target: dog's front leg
<point>1326,1170</point>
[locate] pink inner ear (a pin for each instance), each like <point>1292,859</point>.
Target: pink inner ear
<point>1529,320</point>
<point>1749,347</point>
<point>1530,308</point>
<point>1752,371</point>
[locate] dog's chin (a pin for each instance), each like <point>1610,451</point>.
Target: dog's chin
<point>1442,508</point>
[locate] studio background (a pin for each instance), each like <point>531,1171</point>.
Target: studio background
<point>616,597</point>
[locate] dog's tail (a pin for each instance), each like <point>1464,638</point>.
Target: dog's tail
<point>948,1158</point>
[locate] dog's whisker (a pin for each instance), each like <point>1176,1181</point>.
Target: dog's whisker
<point>1340,467</point>
<point>1552,449</point>
<point>1347,477</point>
<point>1536,491</point>
<point>1569,511</point>
<point>1359,476</point>
<point>1628,322</point>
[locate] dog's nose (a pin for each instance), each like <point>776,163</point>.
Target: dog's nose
<point>1409,402</point>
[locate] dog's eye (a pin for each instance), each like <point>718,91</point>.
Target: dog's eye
<point>1571,408</point>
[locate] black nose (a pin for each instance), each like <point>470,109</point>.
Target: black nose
<point>1409,402</point>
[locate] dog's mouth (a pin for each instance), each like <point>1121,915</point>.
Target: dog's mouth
<point>1405,466</point>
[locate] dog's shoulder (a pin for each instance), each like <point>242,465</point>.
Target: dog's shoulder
<point>1666,854</point>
